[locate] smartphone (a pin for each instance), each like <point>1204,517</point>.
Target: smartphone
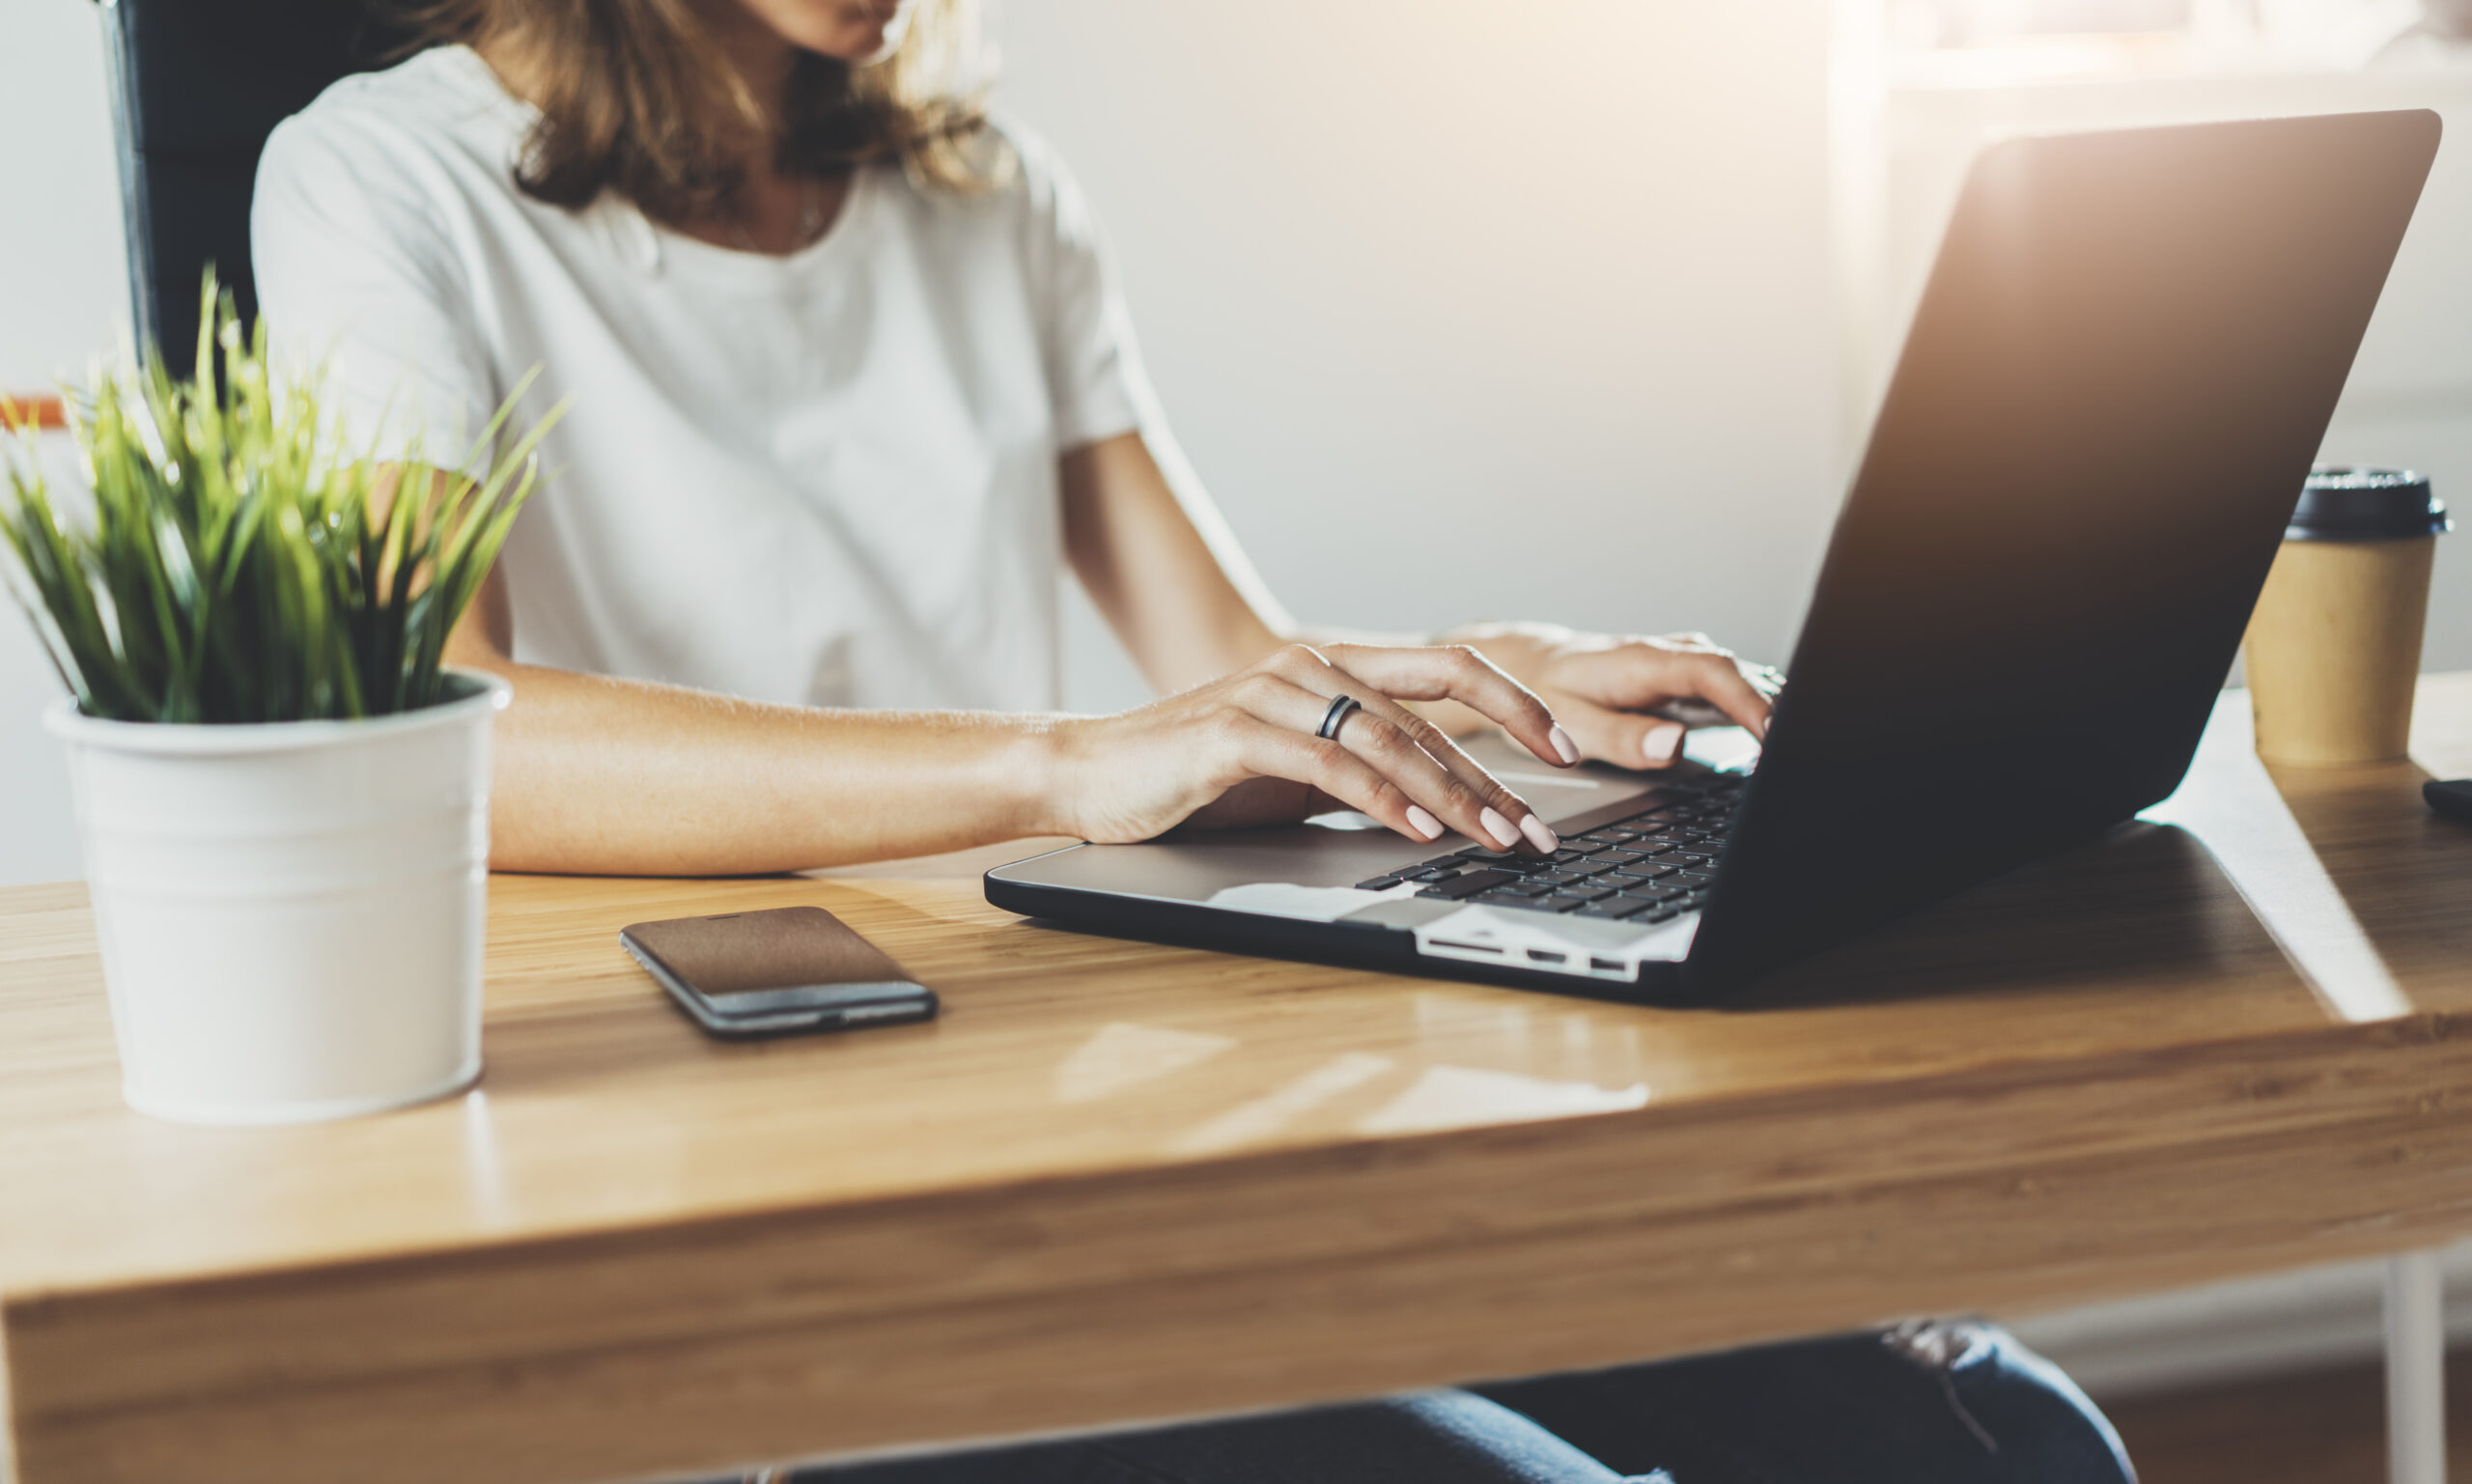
<point>775,973</point>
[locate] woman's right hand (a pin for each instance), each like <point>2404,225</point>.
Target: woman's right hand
<point>1242,750</point>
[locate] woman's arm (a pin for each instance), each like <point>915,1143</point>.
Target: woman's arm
<point>608,777</point>
<point>1163,569</point>
<point>605,776</point>
<point>1162,566</point>
<point>1166,574</point>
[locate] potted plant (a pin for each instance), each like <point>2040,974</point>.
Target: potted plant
<point>282,797</point>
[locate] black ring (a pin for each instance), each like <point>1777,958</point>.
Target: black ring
<point>1337,715</point>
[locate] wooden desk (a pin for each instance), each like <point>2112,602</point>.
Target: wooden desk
<point>1121,1182</point>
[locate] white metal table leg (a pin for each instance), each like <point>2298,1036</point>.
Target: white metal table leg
<point>2415,1370</point>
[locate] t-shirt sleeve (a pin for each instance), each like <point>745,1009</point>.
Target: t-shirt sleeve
<point>355,275</point>
<point>1095,380</point>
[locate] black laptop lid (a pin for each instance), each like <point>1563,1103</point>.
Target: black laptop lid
<point>2111,395</point>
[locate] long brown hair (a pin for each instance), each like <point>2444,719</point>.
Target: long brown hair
<point>637,96</point>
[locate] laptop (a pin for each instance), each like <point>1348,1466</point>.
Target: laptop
<point>2119,374</point>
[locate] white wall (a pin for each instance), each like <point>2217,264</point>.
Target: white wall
<point>62,299</point>
<point>37,840</point>
<point>1466,312</point>
<point>62,293</point>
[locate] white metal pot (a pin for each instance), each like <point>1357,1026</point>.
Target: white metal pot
<point>290,914</point>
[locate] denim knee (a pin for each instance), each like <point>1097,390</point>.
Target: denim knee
<point>1944,1402</point>
<point>2035,1423</point>
<point>1445,1437</point>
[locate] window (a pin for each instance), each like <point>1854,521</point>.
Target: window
<point>2022,41</point>
<point>1964,22</point>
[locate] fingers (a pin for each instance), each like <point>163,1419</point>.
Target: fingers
<point>1434,671</point>
<point>1456,672</point>
<point>1506,818</point>
<point>1268,750</point>
<point>1642,673</point>
<point>1625,738</point>
<point>1399,749</point>
<point>1717,677</point>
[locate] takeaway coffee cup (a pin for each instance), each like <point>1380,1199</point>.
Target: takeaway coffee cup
<point>2334,648</point>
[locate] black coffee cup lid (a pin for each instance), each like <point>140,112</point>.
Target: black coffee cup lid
<point>2342,503</point>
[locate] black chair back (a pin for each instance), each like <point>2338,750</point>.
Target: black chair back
<point>197,86</point>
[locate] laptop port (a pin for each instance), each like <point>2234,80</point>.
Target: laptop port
<point>1607,965</point>
<point>1547,956</point>
<point>1467,947</point>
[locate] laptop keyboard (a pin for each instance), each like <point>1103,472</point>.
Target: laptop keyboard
<point>1651,867</point>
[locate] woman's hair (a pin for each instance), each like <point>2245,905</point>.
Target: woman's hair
<point>637,96</point>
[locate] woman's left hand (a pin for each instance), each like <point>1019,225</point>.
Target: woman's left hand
<point>1598,686</point>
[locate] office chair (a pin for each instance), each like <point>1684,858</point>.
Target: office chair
<point>196,87</point>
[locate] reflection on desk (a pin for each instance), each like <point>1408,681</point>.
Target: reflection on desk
<point>1120,1181</point>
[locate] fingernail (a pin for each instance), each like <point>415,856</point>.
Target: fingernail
<point>1662,743</point>
<point>1423,823</point>
<point>1563,743</point>
<point>1540,834</point>
<point>1499,828</point>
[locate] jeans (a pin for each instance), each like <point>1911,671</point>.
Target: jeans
<point>1923,1402</point>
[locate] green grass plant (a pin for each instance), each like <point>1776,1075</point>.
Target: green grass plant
<point>242,562</point>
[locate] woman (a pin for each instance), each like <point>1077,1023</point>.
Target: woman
<point>850,381</point>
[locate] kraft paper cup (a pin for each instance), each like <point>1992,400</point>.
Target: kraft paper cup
<point>2334,648</point>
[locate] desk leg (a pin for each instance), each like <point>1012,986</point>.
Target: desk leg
<point>2415,1370</point>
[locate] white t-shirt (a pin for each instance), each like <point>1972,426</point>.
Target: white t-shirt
<point>824,479</point>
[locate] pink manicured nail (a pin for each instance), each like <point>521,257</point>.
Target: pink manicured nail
<point>1563,743</point>
<point>1540,834</point>
<point>1661,745</point>
<point>1423,823</point>
<point>1499,828</point>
